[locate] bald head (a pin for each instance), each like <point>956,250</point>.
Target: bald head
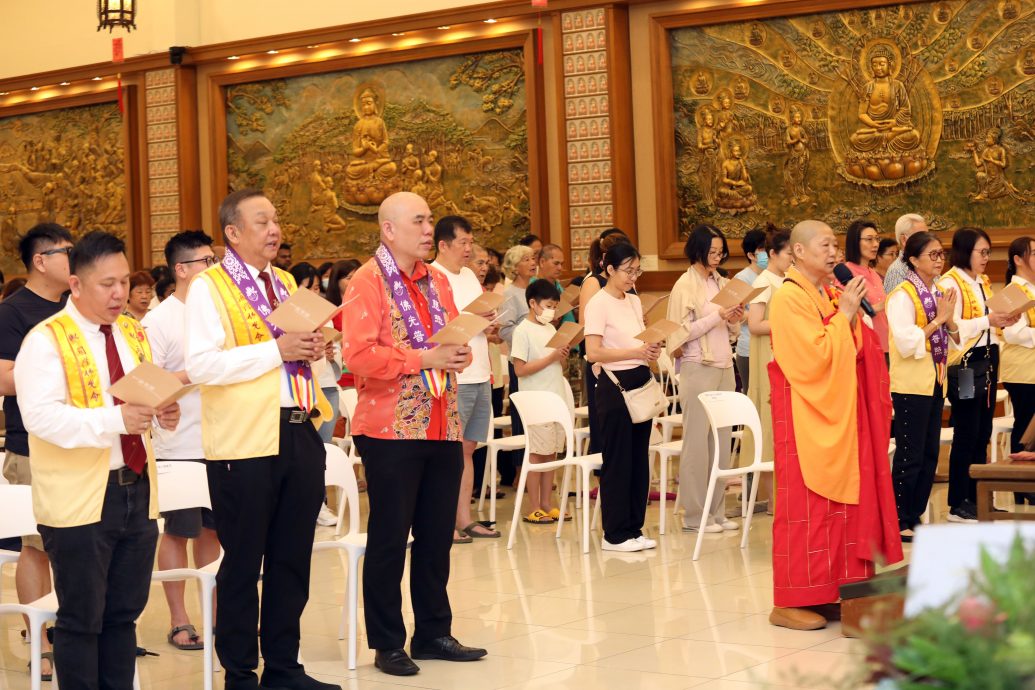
<point>407,228</point>
<point>815,249</point>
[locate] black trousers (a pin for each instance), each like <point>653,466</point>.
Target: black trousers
<point>918,424</point>
<point>971,426</point>
<point>102,577</point>
<point>265,510</point>
<point>591,408</point>
<point>1022,397</point>
<point>625,476</point>
<point>412,485</point>
<point>506,469</point>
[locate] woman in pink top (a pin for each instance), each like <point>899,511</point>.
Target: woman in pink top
<point>704,355</point>
<point>861,243</point>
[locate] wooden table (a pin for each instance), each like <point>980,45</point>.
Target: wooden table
<point>1006,475</point>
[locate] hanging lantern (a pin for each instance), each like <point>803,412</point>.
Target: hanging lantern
<point>112,13</point>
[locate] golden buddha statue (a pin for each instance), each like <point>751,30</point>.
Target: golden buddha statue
<point>371,174</point>
<point>735,193</point>
<point>991,168</point>
<point>884,110</point>
<point>710,157</point>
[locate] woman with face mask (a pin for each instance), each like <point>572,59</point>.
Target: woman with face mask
<point>704,359</point>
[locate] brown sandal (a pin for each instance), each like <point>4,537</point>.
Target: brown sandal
<point>192,633</point>
<point>470,531</point>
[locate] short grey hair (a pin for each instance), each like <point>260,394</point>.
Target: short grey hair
<point>905,224</point>
<point>513,257</point>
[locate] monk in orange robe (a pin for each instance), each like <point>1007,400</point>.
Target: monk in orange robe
<point>835,508</point>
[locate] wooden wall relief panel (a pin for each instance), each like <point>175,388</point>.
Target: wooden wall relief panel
<point>162,159</point>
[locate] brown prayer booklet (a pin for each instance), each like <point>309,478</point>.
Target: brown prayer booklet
<point>562,309</point>
<point>571,295</point>
<point>654,308</point>
<point>736,293</point>
<point>303,312</point>
<point>658,332</point>
<point>1010,300</point>
<point>149,384</point>
<point>331,334</point>
<point>484,303</point>
<point>460,330</point>
<point>568,335</point>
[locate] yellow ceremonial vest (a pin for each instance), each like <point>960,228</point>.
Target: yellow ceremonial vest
<point>970,308</point>
<point>68,484</point>
<point>242,420</point>
<point>1017,362</point>
<point>909,375</point>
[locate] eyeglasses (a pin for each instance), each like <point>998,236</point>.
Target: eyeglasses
<point>209,261</point>
<point>632,272</point>
<point>873,239</point>
<point>983,253</point>
<point>57,250</point>
<point>936,255</point>
<point>716,254</point>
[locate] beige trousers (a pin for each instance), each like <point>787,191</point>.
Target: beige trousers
<point>695,462</point>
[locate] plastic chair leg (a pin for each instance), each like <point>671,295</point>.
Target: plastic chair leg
<point>492,486</point>
<point>563,502</point>
<point>756,477</point>
<point>662,490</point>
<point>705,514</point>
<point>208,587</point>
<point>352,592</point>
<point>585,508</point>
<point>35,650</point>
<point>515,521</point>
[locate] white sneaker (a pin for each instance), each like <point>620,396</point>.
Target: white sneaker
<point>627,545</point>
<point>646,542</point>
<point>326,518</point>
<point>710,528</point>
<point>728,525</point>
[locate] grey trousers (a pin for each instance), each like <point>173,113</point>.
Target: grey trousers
<point>695,462</point>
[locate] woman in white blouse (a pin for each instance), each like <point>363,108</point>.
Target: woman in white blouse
<point>921,325</point>
<point>1017,370</point>
<point>703,354</point>
<point>612,320</point>
<point>973,367</point>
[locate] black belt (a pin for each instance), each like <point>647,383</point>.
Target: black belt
<point>125,476</point>
<point>293,416</point>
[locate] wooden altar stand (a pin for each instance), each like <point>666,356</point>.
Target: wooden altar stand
<point>1006,475</point>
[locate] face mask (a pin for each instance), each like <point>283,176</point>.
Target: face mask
<point>763,259</point>
<point>325,282</point>
<point>545,316</point>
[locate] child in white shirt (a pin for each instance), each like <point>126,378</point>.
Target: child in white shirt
<point>539,368</point>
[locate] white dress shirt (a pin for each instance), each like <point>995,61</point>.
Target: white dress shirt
<point>39,375</point>
<point>969,328</point>
<point>165,331</point>
<point>909,338</point>
<point>208,363</point>
<point>1021,333</point>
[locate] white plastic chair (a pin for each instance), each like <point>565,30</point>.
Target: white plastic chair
<point>183,485</point>
<point>541,407</point>
<point>18,520</point>
<point>354,543</point>
<point>727,409</point>
<point>495,445</point>
<point>345,441</point>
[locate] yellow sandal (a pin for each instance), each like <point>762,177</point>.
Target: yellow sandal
<point>538,517</point>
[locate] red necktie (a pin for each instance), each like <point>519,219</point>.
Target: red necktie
<point>271,295</point>
<point>133,452</point>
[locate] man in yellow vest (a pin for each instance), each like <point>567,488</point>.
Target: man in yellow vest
<point>93,475</point>
<point>259,409</point>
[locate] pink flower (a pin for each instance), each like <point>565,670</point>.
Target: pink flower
<point>976,613</point>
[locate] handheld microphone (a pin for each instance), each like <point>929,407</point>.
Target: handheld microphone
<point>844,274</point>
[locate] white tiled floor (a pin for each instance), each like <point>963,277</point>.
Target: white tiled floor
<point>553,618</point>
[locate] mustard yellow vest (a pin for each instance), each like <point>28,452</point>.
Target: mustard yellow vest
<point>68,484</point>
<point>909,375</point>
<point>242,420</point>
<point>970,307</point>
<point>1017,362</point>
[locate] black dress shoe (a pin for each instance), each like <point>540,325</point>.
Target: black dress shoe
<point>302,682</point>
<point>446,648</point>
<point>395,662</point>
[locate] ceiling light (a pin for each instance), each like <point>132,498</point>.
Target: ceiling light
<point>234,57</point>
<point>355,40</point>
<point>443,28</point>
<point>398,33</point>
<point>272,52</point>
<point>113,13</point>
<point>35,88</point>
<point>490,20</point>
<point>96,79</point>
<point>4,93</point>
<point>66,83</point>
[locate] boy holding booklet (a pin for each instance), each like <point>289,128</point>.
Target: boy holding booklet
<point>538,368</point>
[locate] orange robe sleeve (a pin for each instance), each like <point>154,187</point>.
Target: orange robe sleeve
<point>816,349</point>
